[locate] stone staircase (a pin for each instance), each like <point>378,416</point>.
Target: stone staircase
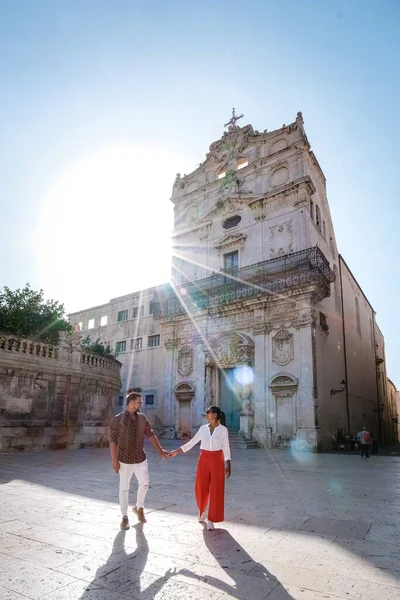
<point>236,440</point>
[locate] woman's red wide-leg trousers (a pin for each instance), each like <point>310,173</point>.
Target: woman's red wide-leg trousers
<point>210,484</point>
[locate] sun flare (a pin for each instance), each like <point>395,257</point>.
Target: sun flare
<point>104,229</point>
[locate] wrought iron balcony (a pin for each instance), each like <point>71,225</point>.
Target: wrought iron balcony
<point>263,278</point>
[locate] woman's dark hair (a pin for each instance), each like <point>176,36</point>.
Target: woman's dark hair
<point>217,411</point>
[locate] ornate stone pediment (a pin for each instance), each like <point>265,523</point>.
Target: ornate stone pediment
<point>184,392</point>
<point>283,386</point>
<point>232,349</point>
<point>232,239</point>
<point>227,207</point>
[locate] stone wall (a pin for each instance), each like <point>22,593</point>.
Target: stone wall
<point>54,397</point>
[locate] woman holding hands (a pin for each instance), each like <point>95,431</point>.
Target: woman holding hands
<point>213,466</point>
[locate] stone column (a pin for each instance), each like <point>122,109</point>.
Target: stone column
<point>200,393</point>
<point>262,409</point>
<point>169,403</point>
<point>307,430</point>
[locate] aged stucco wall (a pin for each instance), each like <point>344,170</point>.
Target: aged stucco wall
<point>54,397</point>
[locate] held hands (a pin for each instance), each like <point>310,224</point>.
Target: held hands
<point>174,453</point>
<point>164,454</point>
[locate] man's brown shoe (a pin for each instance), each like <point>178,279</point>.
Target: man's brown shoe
<point>125,523</point>
<point>139,512</point>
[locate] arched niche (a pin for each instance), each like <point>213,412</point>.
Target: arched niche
<point>279,145</point>
<point>184,392</point>
<point>284,388</point>
<point>280,175</point>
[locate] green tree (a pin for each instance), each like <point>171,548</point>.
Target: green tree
<point>25,313</point>
<point>97,347</point>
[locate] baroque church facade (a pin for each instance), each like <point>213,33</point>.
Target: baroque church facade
<point>262,315</point>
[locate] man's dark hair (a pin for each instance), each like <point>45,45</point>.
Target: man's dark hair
<point>132,396</point>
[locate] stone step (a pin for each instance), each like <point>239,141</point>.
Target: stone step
<point>238,441</point>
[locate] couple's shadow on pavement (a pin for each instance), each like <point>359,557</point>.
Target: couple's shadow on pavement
<point>225,549</point>
<point>231,556</point>
<point>119,568</point>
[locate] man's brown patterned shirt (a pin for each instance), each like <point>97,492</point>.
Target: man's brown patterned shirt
<point>128,433</point>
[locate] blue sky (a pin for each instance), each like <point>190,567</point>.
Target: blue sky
<point>83,81</point>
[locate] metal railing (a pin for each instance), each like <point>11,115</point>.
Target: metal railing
<point>266,277</point>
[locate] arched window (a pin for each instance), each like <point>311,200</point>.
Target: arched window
<point>241,163</point>
<point>312,209</point>
<point>317,217</point>
<point>358,321</point>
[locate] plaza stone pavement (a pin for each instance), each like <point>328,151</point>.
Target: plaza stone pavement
<point>298,526</point>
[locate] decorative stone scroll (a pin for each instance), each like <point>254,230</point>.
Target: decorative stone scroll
<point>258,209</point>
<point>260,327</point>
<point>185,360</point>
<point>282,348</point>
<point>233,349</point>
<point>306,318</point>
<point>184,392</point>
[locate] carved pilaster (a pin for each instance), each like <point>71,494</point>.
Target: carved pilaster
<point>305,319</point>
<point>171,343</point>
<point>204,231</point>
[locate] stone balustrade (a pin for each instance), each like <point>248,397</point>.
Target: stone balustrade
<point>12,344</point>
<point>54,396</point>
<point>101,362</point>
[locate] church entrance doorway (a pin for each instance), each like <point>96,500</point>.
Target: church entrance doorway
<point>229,398</point>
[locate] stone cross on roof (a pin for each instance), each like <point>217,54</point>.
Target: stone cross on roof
<point>234,118</point>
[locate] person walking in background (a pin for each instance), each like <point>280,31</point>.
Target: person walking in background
<point>213,466</point>
<point>364,439</point>
<point>127,432</point>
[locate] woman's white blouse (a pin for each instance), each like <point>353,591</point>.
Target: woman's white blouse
<point>219,440</point>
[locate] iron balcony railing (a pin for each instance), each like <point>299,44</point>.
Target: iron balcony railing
<point>266,277</point>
